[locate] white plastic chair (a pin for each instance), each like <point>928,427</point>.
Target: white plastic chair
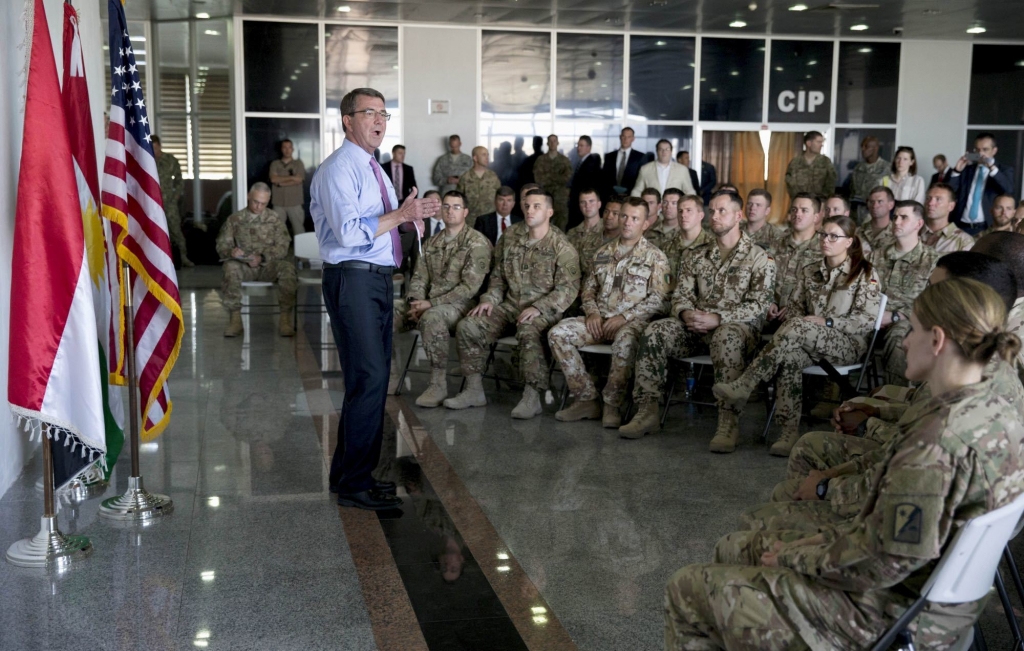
<point>307,248</point>
<point>967,568</point>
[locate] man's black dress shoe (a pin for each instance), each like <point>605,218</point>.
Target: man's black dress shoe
<point>371,500</point>
<point>382,486</point>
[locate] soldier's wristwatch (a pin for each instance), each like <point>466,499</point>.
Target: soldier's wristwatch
<point>829,322</point>
<point>896,317</point>
<point>822,490</point>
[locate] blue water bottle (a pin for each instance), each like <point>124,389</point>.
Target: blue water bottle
<point>691,381</point>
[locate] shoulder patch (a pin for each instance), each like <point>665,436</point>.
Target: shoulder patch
<point>906,527</point>
<point>873,281</point>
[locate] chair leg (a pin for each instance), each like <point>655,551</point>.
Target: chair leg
<point>487,366</point>
<point>979,638</point>
<point>408,361</point>
<point>1014,572</point>
<point>668,397</point>
<point>1011,618</point>
<point>771,412</point>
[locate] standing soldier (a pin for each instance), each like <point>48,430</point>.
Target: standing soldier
<point>479,185</point>
<point>287,175</point>
<point>626,289</point>
<point>553,171</point>
<point>171,188</point>
<point>866,176</point>
<point>534,278</point>
<point>448,275</point>
<point>253,243</point>
<point>903,268</point>
<point>811,172</point>
<point>718,306</point>
<point>451,166</point>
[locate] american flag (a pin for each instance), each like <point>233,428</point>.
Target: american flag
<point>132,202</point>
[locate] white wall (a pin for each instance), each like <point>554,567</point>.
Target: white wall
<point>425,77</point>
<point>935,77</point>
<point>15,449</point>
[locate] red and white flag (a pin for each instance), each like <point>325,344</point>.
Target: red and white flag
<point>132,202</point>
<point>53,372</point>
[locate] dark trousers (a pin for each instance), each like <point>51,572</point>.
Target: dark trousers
<point>359,303</point>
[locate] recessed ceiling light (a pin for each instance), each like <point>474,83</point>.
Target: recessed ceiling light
<point>864,50</point>
<point>798,8</point>
<point>779,68</point>
<point>737,24</point>
<point>202,15</point>
<point>858,28</point>
<point>304,64</point>
<point>687,87</point>
<point>976,30</point>
<point>661,43</point>
<point>735,73</point>
<point>344,9</point>
<point>212,32</point>
<point>812,62</point>
<point>1020,64</point>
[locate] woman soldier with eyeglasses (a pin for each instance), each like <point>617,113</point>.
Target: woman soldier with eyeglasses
<point>831,317</point>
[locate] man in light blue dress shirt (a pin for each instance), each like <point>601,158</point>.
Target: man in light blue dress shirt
<point>357,218</point>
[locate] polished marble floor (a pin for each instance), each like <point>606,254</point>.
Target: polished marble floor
<point>512,535</point>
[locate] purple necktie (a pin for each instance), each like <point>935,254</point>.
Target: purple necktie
<point>396,241</point>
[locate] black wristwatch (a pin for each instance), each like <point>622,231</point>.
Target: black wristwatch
<point>896,317</point>
<point>822,490</point>
<point>829,322</point>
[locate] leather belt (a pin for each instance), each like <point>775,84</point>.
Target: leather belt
<point>362,266</point>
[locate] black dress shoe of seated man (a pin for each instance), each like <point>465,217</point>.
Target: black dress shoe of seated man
<point>371,500</point>
<point>382,486</point>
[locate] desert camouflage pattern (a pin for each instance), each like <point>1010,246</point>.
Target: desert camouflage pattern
<point>817,177</point>
<point>553,175</point>
<point>790,259</point>
<point>449,164</point>
<point>767,237</point>
<point>266,235</point>
<point>479,192</point>
<point>948,240</point>
<point>172,185</point>
<point>677,248</point>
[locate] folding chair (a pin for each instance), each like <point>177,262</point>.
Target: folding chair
<point>308,248</point>
<point>840,374</point>
<point>510,343</point>
<point>596,349</point>
<point>966,570</point>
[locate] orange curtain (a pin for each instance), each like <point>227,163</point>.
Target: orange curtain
<point>717,150</point>
<point>746,170</point>
<point>782,147</point>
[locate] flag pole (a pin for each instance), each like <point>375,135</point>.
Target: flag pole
<point>49,547</point>
<point>136,504</point>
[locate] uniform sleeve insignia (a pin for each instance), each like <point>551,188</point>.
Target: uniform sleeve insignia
<point>907,524</point>
<point>873,281</point>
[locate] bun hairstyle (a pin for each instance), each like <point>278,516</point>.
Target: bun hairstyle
<point>858,263</point>
<point>972,315</point>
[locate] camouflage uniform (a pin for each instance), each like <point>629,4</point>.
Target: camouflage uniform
<point>450,165</point>
<point>659,235</point>
<point>798,343</point>
<point>448,274</point>
<point>1015,324</point>
<point>675,249</point>
<point>790,258</point>
<point>264,234</point>
<point>873,241</point>
<point>632,285</point>
<point>171,187</point>
<point>553,175</point>
<point>576,234</point>
<point>817,177</point>
<point>948,240</point>
<point>767,237</point>
<point>737,288</point>
<point>865,177</point>
<point>903,276</point>
<point>989,231</point>
<point>544,275</point>
<point>961,457</point>
<point>479,192</point>
<point>589,244</point>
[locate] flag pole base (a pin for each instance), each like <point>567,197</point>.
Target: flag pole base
<point>49,548</point>
<point>81,489</point>
<point>136,505</point>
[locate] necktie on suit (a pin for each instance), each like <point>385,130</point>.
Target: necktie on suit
<point>974,213</point>
<point>396,241</point>
<point>503,224</point>
<point>437,227</point>
<point>622,167</point>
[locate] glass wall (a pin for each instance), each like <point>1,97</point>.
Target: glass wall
<point>997,105</point>
<point>661,71</point>
<point>800,81</point>
<point>732,79</point>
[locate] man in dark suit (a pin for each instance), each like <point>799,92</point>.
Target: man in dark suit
<point>492,225</point>
<point>622,166</point>
<point>942,170</point>
<point>708,181</point>
<point>587,175</point>
<point>978,179</point>
<point>402,176</point>
<point>683,158</point>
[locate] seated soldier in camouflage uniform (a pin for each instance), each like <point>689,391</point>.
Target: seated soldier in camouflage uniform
<point>831,317</point>
<point>253,243</point>
<point>652,197</point>
<point>903,269</point>
<point>447,278</point>
<point>718,306</point>
<point>829,473</point>
<point>691,235</point>
<point>535,276</point>
<point>625,289</point>
<point>665,230</point>
<point>590,207</point>
<point>843,587</point>
<point>756,226</point>
<point>939,231</point>
<point>594,240</point>
<point>797,248</point>
<point>878,232</point>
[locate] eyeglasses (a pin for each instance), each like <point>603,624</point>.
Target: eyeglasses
<point>832,237</point>
<point>449,208</point>
<point>371,114</point>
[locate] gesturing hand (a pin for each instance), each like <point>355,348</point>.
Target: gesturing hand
<point>413,209</point>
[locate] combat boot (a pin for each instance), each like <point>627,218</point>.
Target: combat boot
<point>734,395</point>
<point>611,417</point>
<point>645,421</point>
<point>285,326</point>
<point>580,410</point>
<point>437,391</point>
<point>471,396</point>
<point>529,406</point>
<point>782,447</point>
<point>234,325</point>
<point>727,434</point>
